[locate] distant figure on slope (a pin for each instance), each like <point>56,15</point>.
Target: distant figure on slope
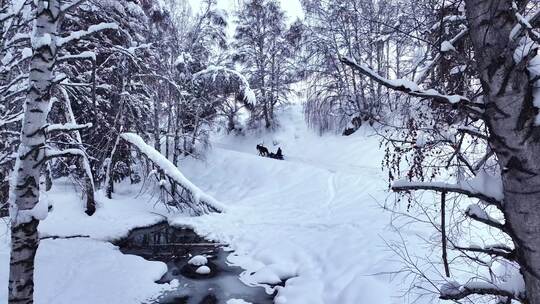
<point>279,153</point>
<point>263,151</point>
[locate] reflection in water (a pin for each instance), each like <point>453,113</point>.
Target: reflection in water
<point>175,246</point>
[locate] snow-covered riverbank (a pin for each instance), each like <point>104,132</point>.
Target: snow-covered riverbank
<point>313,219</point>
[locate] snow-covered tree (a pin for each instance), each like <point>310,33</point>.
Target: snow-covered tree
<point>262,47</point>
<point>375,32</point>
<point>470,129</point>
<point>26,209</point>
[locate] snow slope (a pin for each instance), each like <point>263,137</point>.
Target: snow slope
<point>313,219</point>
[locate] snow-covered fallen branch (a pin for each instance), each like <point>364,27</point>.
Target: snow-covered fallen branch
<point>199,201</point>
<point>411,88</point>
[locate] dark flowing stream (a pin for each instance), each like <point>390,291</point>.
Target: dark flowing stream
<point>175,247</point>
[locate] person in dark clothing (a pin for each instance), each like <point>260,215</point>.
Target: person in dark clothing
<point>279,153</point>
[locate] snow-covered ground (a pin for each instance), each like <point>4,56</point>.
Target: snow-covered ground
<point>313,219</point>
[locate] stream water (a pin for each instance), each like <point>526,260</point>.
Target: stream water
<point>175,247</point>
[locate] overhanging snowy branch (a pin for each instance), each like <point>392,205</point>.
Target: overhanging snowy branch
<point>476,213</point>
<point>81,34</point>
<point>466,189</point>
<point>224,80</point>
<point>198,201</point>
<point>524,24</point>
<point>456,291</point>
<point>66,127</point>
<point>495,250</point>
<point>411,88</point>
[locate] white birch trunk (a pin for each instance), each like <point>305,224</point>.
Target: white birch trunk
<point>515,140</point>
<point>25,210</point>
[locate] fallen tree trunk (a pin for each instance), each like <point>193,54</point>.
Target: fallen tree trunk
<point>190,195</point>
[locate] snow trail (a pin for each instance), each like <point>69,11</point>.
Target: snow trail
<point>313,219</point>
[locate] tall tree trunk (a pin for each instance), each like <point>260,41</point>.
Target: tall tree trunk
<point>514,137</point>
<point>84,162</point>
<point>31,156</point>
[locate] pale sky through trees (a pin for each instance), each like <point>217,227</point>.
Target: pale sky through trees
<point>292,8</point>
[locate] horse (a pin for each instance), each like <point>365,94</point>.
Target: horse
<point>263,151</point>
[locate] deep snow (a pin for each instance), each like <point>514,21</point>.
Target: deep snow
<point>313,219</point>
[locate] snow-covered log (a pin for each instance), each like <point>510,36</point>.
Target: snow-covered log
<point>198,201</point>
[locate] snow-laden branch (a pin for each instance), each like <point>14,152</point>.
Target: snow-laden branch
<point>226,79</point>
<point>71,5</point>
<point>424,71</point>
<point>77,35</point>
<point>11,118</point>
<point>493,250</point>
<point>52,153</point>
<point>411,88</point>
<point>200,201</point>
<point>87,55</point>
<point>524,24</point>
<point>66,127</point>
<point>456,291</point>
<point>483,187</point>
<point>475,212</point>
<point>448,19</point>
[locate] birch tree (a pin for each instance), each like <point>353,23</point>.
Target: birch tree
<point>487,130</point>
<point>26,208</point>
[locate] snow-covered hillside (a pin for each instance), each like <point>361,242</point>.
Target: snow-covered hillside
<point>313,219</point>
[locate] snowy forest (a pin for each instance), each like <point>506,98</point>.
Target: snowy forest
<point>269,151</point>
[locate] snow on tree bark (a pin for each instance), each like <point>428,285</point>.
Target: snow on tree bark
<point>25,206</point>
<point>510,117</point>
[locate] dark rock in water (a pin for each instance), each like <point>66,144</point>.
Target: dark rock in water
<point>175,247</point>
<point>210,299</point>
